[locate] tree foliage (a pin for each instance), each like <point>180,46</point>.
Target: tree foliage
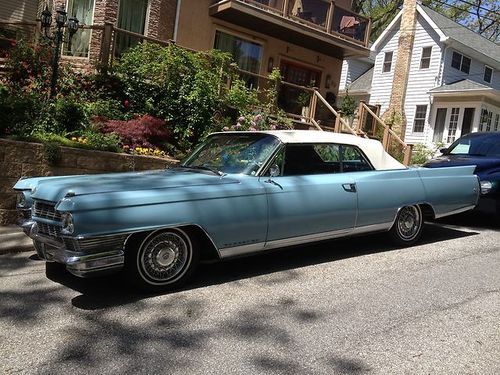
<point>481,16</point>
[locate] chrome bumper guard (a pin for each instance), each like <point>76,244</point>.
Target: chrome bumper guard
<point>78,263</point>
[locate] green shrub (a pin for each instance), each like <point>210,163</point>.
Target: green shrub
<point>106,108</point>
<point>70,114</point>
<point>52,152</point>
<point>184,88</point>
<point>20,112</point>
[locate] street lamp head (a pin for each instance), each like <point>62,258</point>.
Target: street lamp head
<point>46,18</point>
<point>73,25</point>
<point>61,17</point>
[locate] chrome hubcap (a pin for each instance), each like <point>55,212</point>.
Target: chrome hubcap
<point>164,256</point>
<point>409,222</point>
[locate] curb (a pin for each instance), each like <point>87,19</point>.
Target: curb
<point>13,240</point>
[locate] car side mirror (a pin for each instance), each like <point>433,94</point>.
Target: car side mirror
<point>443,150</point>
<point>274,170</point>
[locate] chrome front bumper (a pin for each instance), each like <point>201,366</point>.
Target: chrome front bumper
<point>80,264</point>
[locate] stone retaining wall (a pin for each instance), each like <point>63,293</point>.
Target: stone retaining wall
<point>29,159</point>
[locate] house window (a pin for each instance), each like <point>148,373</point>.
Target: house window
<point>247,54</point>
<point>488,74</point>
<point>387,62</point>
<point>453,125</point>
<point>496,128</point>
<point>486,116</point>
<point>132,17</point>
<point>419,121</point>
<point>425,61</point>
<point>84,11</point>
<point>460,62</point>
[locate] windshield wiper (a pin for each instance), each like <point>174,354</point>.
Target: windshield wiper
<point>204,168</point>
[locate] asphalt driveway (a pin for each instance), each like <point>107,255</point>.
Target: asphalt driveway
<point>349,306</point>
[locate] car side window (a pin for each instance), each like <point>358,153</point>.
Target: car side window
<point>353,160</point>
<point>307,159</point>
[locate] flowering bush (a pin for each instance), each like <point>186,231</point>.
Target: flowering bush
<point>251,122</point>
<point>144,151</point>
<point>146,131</point>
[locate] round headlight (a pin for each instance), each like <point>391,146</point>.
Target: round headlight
<point>21,200</point>
<point>68,227</point>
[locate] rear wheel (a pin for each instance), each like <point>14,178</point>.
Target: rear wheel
<point>408,226</point>
<point>164,260</point>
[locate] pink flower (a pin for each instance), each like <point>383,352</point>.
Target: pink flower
<point>225,128</point>
<point>237,126</point>
<point>241,119</point>
<point>273,127</point>
<point>257,118</point>
<point>253,123</point>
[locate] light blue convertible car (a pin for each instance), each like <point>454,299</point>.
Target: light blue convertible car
<point>238,193</point>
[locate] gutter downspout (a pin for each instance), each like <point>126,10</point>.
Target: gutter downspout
<point>176,24</point>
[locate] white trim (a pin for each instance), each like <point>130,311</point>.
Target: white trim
<point>176,22</point>
<point>442,37</point>
<point>382,36</point>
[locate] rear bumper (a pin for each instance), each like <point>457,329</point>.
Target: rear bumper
<point>81,264</point>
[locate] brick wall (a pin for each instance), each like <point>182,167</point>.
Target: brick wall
<point>402,66</point>
<point>28,159</point>
<point>161,20</point>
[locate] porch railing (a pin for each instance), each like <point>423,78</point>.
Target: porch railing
<point>323,15</point>
<point>391,142</point>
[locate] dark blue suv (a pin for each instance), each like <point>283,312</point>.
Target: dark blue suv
<point>483,151</point>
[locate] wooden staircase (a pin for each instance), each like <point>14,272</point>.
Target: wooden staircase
<point>366,124</point>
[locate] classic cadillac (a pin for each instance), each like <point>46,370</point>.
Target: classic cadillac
<point>238,193</point>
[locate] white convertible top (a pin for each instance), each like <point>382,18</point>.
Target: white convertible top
<point>372,148</point>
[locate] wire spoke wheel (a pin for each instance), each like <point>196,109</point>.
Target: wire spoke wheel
<point>408,225</point>
<point>164,257</point>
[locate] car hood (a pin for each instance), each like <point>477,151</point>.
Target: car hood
<point>54,189</point>
<point>484,165</point>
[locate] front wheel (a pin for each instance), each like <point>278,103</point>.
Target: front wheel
<point>164,260</point>
<point>408,226</point>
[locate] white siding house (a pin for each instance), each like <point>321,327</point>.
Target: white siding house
<point>453,83</point>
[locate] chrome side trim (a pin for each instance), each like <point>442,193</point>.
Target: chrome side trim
<point>457,211</point>
<point>261,246</point>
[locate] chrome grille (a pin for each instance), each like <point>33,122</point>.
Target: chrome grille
<point>96,244</point>
<point>46,210</point>
<point>49,229</point>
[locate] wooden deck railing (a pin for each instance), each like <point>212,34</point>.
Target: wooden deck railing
<point>389,137</point>
<point>323,15</point>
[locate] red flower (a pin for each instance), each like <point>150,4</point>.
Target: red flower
<point>13,43</point>
<point>126,103</point>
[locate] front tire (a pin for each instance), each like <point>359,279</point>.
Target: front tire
<point>164,260</point>
<point>407,228</point>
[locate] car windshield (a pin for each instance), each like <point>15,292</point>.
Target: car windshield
<point>487,145</point>
<point>233,153</point>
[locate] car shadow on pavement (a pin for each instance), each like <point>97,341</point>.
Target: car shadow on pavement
<point>109,291</point>
<point>472,220</point>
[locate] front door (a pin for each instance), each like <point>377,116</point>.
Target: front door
<point>467,120</point>
<point>292,99</point>
<point>439,125</point>
<point>311,198</point>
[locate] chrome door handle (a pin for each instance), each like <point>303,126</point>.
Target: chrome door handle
<point>351,188</point>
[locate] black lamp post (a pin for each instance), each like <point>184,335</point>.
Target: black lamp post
<point>57,38</point>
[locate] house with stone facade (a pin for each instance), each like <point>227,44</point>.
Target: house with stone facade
<point>306,39</point>
<point>443,78</point>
